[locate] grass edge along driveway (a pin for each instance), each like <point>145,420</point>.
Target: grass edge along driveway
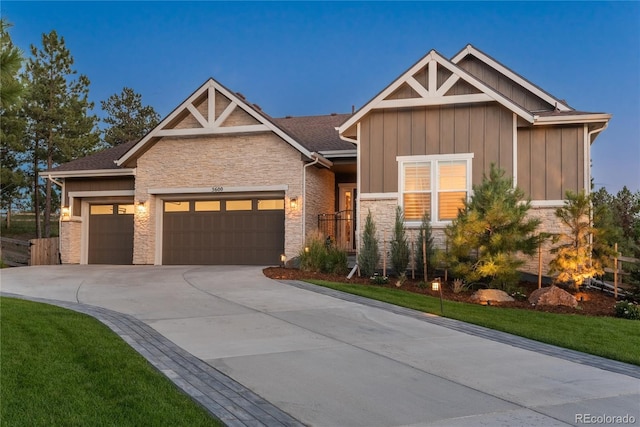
<point>60,367</point>
<point>609,337</point>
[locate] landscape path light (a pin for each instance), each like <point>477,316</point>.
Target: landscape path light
<point>436,285</point>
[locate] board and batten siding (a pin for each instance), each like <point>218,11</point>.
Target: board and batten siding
<point>95,184</point>
<point>550,161</point>
<point>483,129</point>
<point>503,84</point>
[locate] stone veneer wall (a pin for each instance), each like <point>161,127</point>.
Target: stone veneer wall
<point>383,213</point>
<point>70,236</point>
<point>252,160</point>
<point>320,197</point>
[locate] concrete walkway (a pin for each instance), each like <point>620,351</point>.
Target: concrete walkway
<point>240,343</point>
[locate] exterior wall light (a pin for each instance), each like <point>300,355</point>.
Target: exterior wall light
<point>293,203</point>
<point>66,213</point>
<point>141,208</point>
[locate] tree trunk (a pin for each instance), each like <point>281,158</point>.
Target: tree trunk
<point>36,197</point>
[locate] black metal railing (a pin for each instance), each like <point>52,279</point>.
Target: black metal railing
<point>340,227</point>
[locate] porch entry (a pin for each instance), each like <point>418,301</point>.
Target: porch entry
<point>340,226</point>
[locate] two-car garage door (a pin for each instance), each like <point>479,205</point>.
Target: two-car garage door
<point>232,231</point>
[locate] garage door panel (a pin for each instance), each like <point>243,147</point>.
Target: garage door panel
<point>110,235</point>
<point>250,237</point>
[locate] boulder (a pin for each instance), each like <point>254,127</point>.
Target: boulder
<point>552,295</point>
<point>481,296</point>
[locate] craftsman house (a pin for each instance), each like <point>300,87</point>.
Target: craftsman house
<point>218,181</point>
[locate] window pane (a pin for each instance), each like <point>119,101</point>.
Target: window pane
<point>415,205</point>
<point>239,205</point>
<point>453,175</point>
<point>101,210</point>
<point>207,205</point>
<point>271,205</point>
<point>176,206</point>
<point>449,203</point>
<point>126,209</point>
<point>417,177</point>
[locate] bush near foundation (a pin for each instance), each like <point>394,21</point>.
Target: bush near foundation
<point>321,255</point>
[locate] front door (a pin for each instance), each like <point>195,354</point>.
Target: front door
<point>345,227</point>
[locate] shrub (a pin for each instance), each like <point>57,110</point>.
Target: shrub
<point>322,256</point>
<point>368,257</point>
<point>399,245</point>
<point>378,279</point>
<point>628,310</point>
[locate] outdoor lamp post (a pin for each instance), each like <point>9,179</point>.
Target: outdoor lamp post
<point>436,285</point>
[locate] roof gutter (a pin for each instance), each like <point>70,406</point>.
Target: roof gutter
<point>578,118</point>
<point>344,138</point>
<point>89,173</point>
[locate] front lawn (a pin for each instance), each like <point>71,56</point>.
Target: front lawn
<point>613,338</point>
<point>59,367</point>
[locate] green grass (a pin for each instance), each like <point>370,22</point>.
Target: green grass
<point>63,368</point>
<point>613,338</point>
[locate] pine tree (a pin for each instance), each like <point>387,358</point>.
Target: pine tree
<point>369,256</point>
<point>488,233</point>
<point>127,118</point>
<point>574,262</point>
<point>12,179</point>
<point>59,126</point>
<point>399,245</point>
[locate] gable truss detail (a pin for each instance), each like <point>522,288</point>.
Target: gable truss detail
<point>432,94</point>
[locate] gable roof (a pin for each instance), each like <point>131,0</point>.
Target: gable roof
<point>470,50</point>
<point>436,92</point>
<point>317,134</point>
<point>214,123</point>
<point>432,94</point>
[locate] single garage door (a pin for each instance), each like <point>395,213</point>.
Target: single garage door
<point>111,234</point>
<point>243,231</point>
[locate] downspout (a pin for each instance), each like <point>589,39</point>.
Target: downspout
<point>304,195</point>
<point>587,159</point>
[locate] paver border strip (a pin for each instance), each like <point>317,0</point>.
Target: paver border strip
<point>226,399</point>
<point>479,331</point>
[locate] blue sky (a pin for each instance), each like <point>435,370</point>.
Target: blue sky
<point>298,58</point>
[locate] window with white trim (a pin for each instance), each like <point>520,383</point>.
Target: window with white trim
<point>436,184</point>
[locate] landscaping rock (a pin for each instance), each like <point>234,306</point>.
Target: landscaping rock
<point>552,296</point>
<point>481,296</point>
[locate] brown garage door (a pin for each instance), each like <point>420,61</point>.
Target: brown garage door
<point>111,234</point>
<point>247,231</point>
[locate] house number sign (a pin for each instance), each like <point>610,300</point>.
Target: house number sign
<point>217,189</point>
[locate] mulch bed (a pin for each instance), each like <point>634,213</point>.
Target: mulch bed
<point>594,303</point>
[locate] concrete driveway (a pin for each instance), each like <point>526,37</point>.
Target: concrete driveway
<point>336,362</point>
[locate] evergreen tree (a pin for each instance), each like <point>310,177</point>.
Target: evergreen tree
<point>574,262</point>
<point>399,245</point>
<point>12,179</point>
<point>488,233</point>
<point>369,256</point>
<point>425,234</point>
<point>127,118</point>
<point>59,126</point>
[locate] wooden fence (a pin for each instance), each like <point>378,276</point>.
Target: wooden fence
<point>17,253</point>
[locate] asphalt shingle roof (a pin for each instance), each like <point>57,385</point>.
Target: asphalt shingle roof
<point>316,133</point>
<point>104,159</point>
